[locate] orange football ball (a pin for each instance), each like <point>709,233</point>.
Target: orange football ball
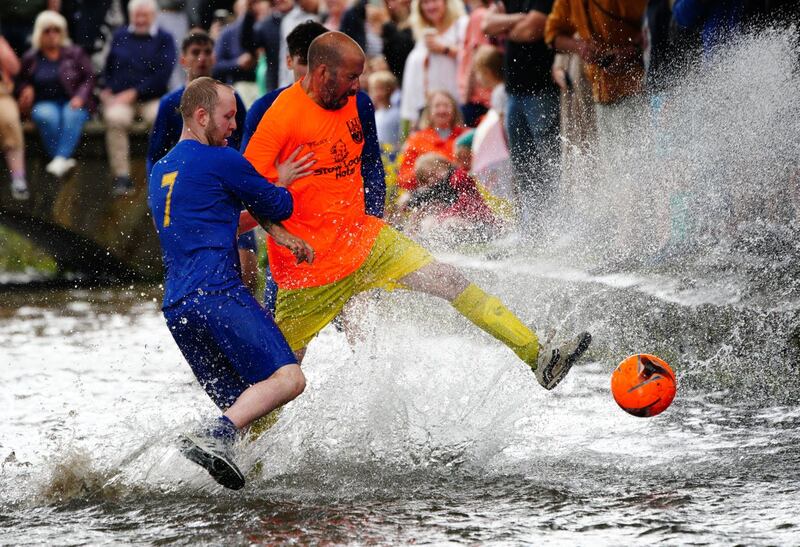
<point>643,385</point>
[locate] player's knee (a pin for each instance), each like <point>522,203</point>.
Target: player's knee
<point>295,381</point>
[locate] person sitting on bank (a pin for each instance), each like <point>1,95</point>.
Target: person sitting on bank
<point>137,72</point>
<point>56,84</point>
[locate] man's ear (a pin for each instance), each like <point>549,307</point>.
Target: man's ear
<point>183,61</point>
<point>201,116</point>
<point>289,62</point>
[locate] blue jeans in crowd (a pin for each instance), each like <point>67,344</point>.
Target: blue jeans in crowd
<point>532,124</point>
<point>60,126</point>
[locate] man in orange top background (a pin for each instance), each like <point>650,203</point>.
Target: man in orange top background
<point>355,252</point>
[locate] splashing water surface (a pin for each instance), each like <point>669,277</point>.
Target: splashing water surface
<point>427,430</point>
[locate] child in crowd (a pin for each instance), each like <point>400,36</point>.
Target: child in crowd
<point>447,196</point>
<point>491,162</point>
<point>381,87</point>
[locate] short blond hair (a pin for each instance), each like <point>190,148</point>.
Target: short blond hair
<point>383,78</point>
<point>45,20</point>
<point>490,59</point>
<point>202,92</point>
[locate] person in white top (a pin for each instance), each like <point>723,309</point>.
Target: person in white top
<point>302,11</point>
<point>439,27</point>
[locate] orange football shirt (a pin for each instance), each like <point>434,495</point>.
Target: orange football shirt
<point>328,204</point>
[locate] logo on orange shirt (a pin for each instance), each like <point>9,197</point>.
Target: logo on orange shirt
<point>339,151</point>
<point>354,125</point>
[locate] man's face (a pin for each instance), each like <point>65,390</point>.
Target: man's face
<point>198,60</point>
<point>341,83</point>
<point>222,121</point>
<point>142,19</point>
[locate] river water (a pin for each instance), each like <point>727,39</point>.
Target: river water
<point>426,430</point>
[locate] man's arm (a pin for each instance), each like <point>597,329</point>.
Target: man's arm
<point>497,22</point>
<point>371,163</point>
<point>530,28</point>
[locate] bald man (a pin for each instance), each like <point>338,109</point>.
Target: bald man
<point>355,252</point>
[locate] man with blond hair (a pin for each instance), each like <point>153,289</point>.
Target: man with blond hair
<point>196,194</point>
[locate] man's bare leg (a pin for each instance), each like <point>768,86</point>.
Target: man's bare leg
<point>489,313</point>
<point>260,399</point>
<point>485,311</point>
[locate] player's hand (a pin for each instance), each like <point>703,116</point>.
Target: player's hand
<point>294,168</point>
<point>301,250</point>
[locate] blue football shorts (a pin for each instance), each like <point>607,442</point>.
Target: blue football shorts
<point>248,242</point>
<point>229,340</point>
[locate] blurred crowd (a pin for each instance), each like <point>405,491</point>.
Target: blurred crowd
<point>475,103</point>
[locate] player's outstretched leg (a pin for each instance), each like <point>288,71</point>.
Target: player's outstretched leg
<point>550,361</point>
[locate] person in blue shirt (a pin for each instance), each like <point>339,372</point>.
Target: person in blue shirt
<point>136,74</point>
<point>372,170</point>
<point>237,353</point>
<point>198,59</point>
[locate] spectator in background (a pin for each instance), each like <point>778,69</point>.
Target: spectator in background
<point>381,88</point>
<point>85,20</point>
<point>439,30</point>
<point>607,36</point>
<point>334,10</point>
<point>11,139</point>
<point>234,65</point>
<point>56,85</point>
<point>363,22</point>
<point>447,197</point>
<point>440,125</point>
<point>304,10</point>
<point>397,37</point>
<point>531,116</point>
<point>197,59</point>
<point>491,163</point>
<point>266,34</point>
<point>137,70</point>
<point>473,97</point>
<point>173,19</point>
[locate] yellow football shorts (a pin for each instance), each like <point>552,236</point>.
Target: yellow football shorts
<point>302,313</point>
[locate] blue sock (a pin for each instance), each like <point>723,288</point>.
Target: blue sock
<point>224,429</point>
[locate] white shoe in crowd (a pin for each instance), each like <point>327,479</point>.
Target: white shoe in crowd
<point>19,189</point>
<point>60,166</point>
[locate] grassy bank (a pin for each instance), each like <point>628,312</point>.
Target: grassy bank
<point>18,254</point>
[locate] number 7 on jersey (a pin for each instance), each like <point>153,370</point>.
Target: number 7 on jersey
<point>168,180</point>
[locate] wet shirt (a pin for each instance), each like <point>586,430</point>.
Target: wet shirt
<point>196,193</point>
<point>329,204</point>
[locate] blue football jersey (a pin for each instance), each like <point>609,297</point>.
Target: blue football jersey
<point>196,193</point>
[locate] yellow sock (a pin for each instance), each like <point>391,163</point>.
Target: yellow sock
<point>493,317</point>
